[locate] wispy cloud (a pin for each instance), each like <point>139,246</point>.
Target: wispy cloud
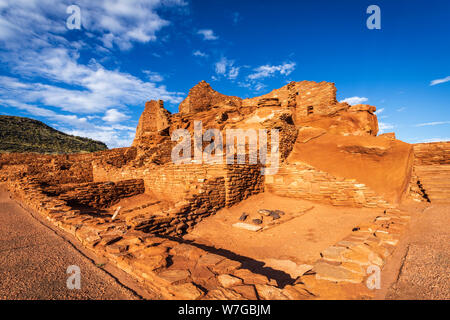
<point>435,123</point>
<point>83,88</point>
<point>266,71</point>
<point>198,53</point>
<point>114,116</point>
<point>207,34</point>
<point>383,126</point>
<point>355,100</point>
<point>59,79</point>
<point>120,22</point>
<point>379,111</point>
<point>153,76</point>
<point>225,67</point>
<point>439,81</point>
<point>114,135</point>
<point>401,109</point>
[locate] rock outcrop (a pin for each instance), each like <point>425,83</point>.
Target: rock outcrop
<point>202,98</point>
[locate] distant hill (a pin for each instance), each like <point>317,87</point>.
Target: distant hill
<point>19,134</point>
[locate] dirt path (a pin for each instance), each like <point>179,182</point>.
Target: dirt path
<point>34,261</point>
<point>420,266</point>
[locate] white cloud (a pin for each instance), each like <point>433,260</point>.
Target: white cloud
<point>114,135</point>
<point>439,81</point>
<point>198,53</point>
<point>97,88</point>
<point>46,113</point>
<point>436,123</point>
<point>379,111</point>
<point>207,34</point>
<point>268,70</point>
<point>401,109</point>
<point>355,100</point>
<point>119,22</point>
<point>110,136</point>
<point>226,68</point>
<point>55,83</point>
<point>385,126</point>
<point>259,86</point>
<point>112,115</point>
<point>153,76</point>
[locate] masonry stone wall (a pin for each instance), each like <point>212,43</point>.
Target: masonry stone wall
<point>97,195</point>
<point>432,153</point>
<point>242,181</point>
<point>186,213</point>
<point>176,182</point>
<point>305,182</point>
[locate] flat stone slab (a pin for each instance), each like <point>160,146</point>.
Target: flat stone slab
<point>228,281</point>
<point>288,266</point>
<point>247,226</point>
<point>333,253</point>
<point>210,259</point>
<point>325,271</point>
<point>174,276</point>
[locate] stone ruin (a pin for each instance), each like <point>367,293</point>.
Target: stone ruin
<point>330,154</point>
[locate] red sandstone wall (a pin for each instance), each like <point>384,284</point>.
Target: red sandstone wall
<point>305,182</point>
<point>60,169</point>
<point>383,164</point>
<point>436,153</point>
<point>101,194</point>
<point>177,182</point>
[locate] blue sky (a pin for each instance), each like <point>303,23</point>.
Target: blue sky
<point>94,81</point>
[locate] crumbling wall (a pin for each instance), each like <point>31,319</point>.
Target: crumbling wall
<point>60,169</point>
<point>314,104</point>
<point>98,195</point>
<point>186,213</point>
<point>242,181</point>
<point>305,182</point>
<point>435,153</point>
<point>202,97</point>
<point>175,183</point>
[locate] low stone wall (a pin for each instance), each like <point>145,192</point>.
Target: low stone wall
<point>304,181</point>
<point>196,191</point>
<point>242,181</point>
<point>100,195</point>
<point>186,213</point>
<point>435,153</point>
<point>179,182</point>
<point>60,169</point>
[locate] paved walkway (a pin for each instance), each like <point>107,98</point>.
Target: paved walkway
<point>34,261</point>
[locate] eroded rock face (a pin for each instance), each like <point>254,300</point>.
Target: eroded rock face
<point>202,97</point>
